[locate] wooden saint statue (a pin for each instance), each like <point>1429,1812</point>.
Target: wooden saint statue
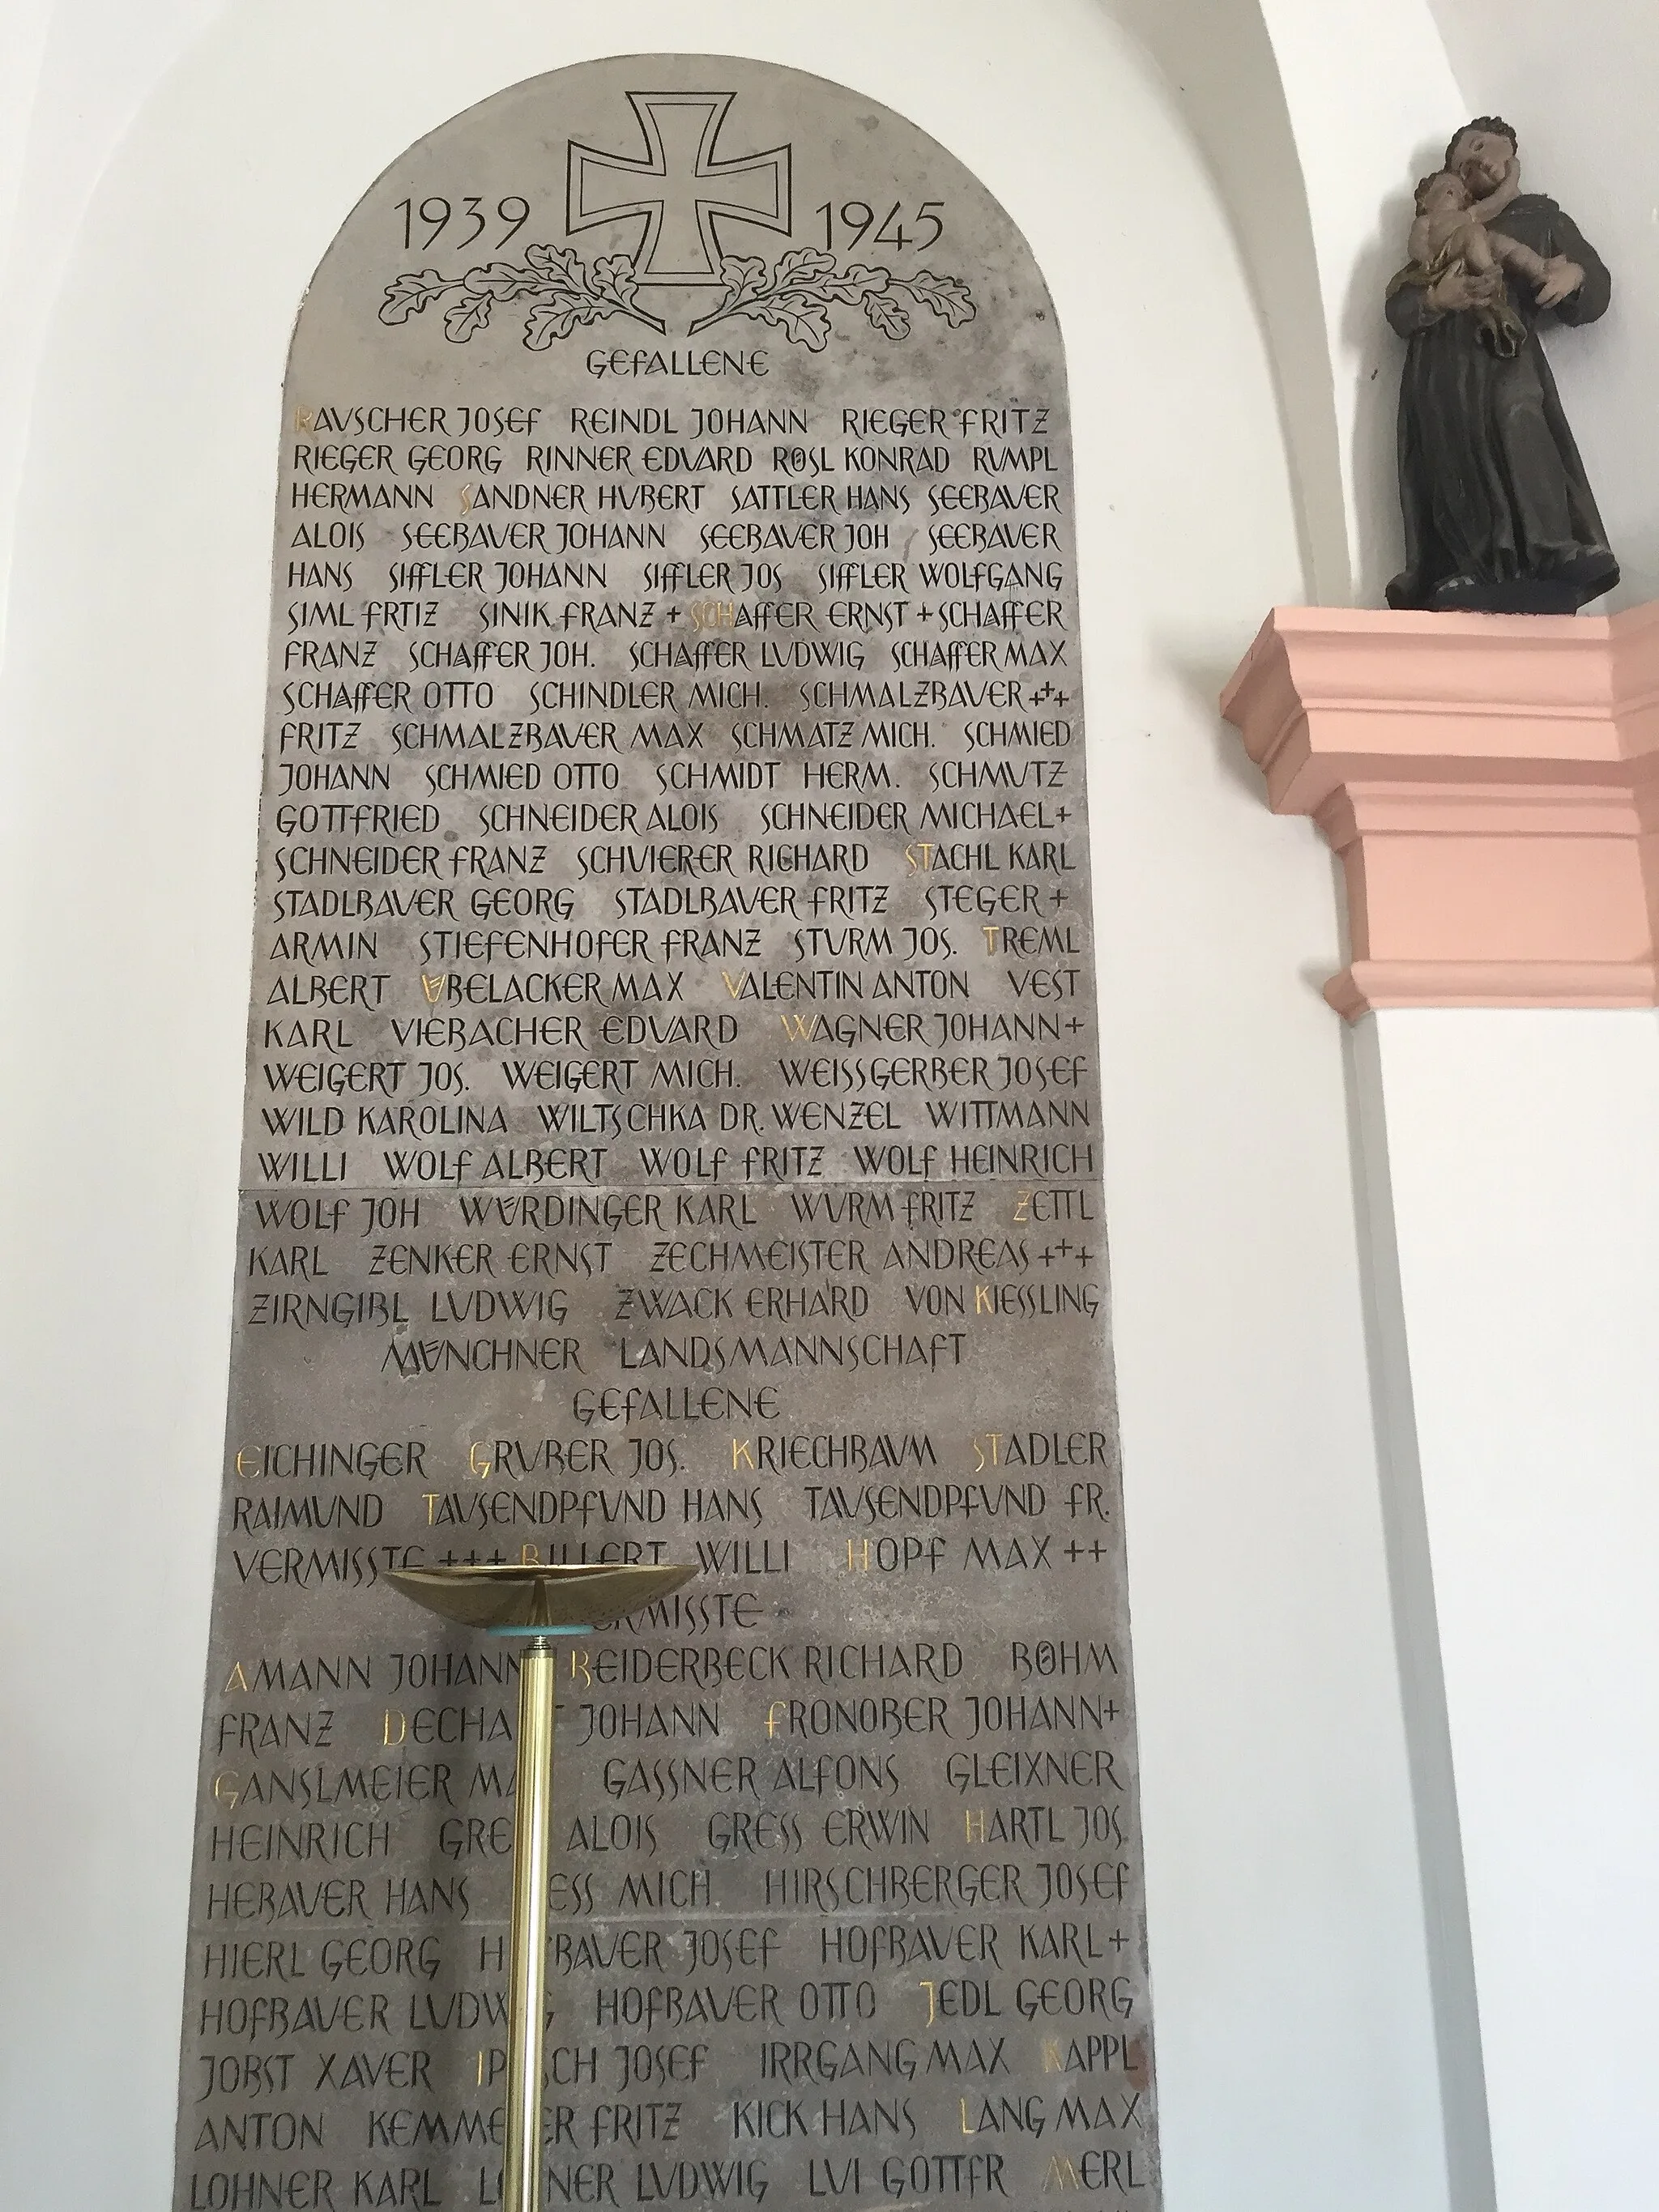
<point>1499,515</point>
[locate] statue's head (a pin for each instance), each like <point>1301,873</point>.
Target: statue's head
<point>1443,193</point>
<point>1480,153</point>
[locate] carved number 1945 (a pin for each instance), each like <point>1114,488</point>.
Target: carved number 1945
<point>854,217</point>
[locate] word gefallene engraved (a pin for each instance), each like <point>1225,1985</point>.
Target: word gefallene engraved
<point>673,1129</point>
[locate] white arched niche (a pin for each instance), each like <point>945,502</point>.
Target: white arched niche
<point>1295,2041</point>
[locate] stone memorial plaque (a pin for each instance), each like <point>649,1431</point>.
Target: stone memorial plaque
<point>672,1132</point>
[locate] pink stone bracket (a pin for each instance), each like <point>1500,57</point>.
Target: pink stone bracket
<point>1492,785</point>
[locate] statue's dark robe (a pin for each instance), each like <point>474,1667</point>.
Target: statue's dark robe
<point>1491,484</point>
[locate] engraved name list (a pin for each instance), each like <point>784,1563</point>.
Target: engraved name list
<point>673,1131</point>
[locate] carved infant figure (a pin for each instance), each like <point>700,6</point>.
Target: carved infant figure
<point>1450,232</point>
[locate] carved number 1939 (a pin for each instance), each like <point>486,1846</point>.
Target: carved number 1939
<point>435,213</point>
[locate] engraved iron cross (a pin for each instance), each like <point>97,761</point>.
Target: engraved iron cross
<point>679,246</point>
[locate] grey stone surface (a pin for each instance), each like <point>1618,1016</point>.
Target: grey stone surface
<point>674,1131</point>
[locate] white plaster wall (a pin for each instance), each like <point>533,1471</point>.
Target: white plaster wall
<point>1521,1148</point>
<point>1295,2039</point>
<point>1367,86</point>
<point>1524,1210</point>
<point>73,75</point>
<point>1513,1178</point>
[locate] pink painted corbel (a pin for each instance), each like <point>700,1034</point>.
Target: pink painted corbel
<point>1492,785</point>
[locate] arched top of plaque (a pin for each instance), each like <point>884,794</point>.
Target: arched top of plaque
<point>737,233</point>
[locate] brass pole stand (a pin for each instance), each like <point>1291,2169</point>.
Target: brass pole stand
<point>526,2011</point>
<point>535,1604</point>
